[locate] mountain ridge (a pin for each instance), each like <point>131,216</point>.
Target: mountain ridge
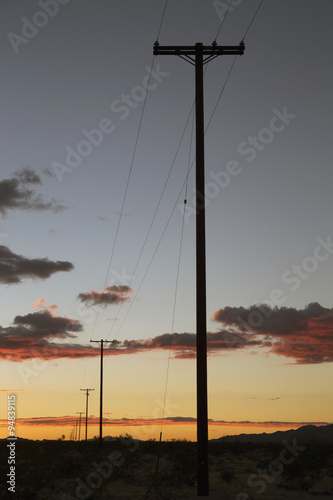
<point>304,434</point>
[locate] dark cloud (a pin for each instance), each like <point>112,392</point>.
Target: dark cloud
<point>111,295</point>
<point>36,334</point>
<point>32,336</point>
<point>19,193</point>
<point>305,335</point>
<point>14,267</point>
<point>306,338</point>
<point>183,345</point>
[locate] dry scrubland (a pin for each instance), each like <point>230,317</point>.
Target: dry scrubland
<point>125,469</point>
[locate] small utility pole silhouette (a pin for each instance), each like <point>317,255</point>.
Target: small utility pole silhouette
<point>80,413</point>
<point>101,390</point>
<point>198,56</point>
<point>87,394</point>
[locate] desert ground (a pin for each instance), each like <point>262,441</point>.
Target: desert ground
<point>126,469</point>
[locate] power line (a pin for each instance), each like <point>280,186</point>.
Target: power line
<point>221,93</point>
<point>177,279</point>
<point>125,194</point>
<point>158,205</point>
<point>159,30</point>
<point>157,208</point>
<point>222,22</point>
<point>255,15</point>
<point>129,173</point>
<point>180,192</point>
<point>127,183</point>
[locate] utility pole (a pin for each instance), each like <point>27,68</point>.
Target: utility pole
<point>87,394</point>
<point>80,413</point>
<point>198,56</point>
<point>75,433</point>
<point>101,390</point>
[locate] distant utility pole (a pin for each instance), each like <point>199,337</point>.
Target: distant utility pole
<point>75,430</point>
<point>101,390</point>
<point>80,413</point>
<point>195,55</point>
<point>87,394</point>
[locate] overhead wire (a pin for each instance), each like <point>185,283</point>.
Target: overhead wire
<point>253,18</point>
<point>189,169</point>
<point>128,179</point>
<point>130,171</point>
<point>178,197</point>
<point>185,201</point>
<point>223,19</point>
<point>158,205</point>
<point>211,117</point>
<point>174,206</point>
<point>163,15</point>
<point>155,213</point>
<point>177,281</point>
<point>126,189</point>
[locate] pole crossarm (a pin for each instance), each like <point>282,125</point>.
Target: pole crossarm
<point>104,341</point>
<point>87,395</point>
<point>212,51</point>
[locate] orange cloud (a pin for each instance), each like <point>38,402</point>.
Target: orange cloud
<point>39,305</point>
<point>37,335</point>
<point>305,335</point>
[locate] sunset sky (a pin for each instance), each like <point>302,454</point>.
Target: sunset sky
<point>93,179</point>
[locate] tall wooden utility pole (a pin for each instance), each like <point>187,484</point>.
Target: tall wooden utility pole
<point>87,394</point>
<point>101,391</point>
<point>198,56</point>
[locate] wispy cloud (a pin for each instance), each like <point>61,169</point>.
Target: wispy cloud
<point>69,421</point>
<point>19,193</point>
<point>14,267</point>
<point>305,335</point>
<point>18,390</point>
<point>110,296</point>
<point>40,306</point>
